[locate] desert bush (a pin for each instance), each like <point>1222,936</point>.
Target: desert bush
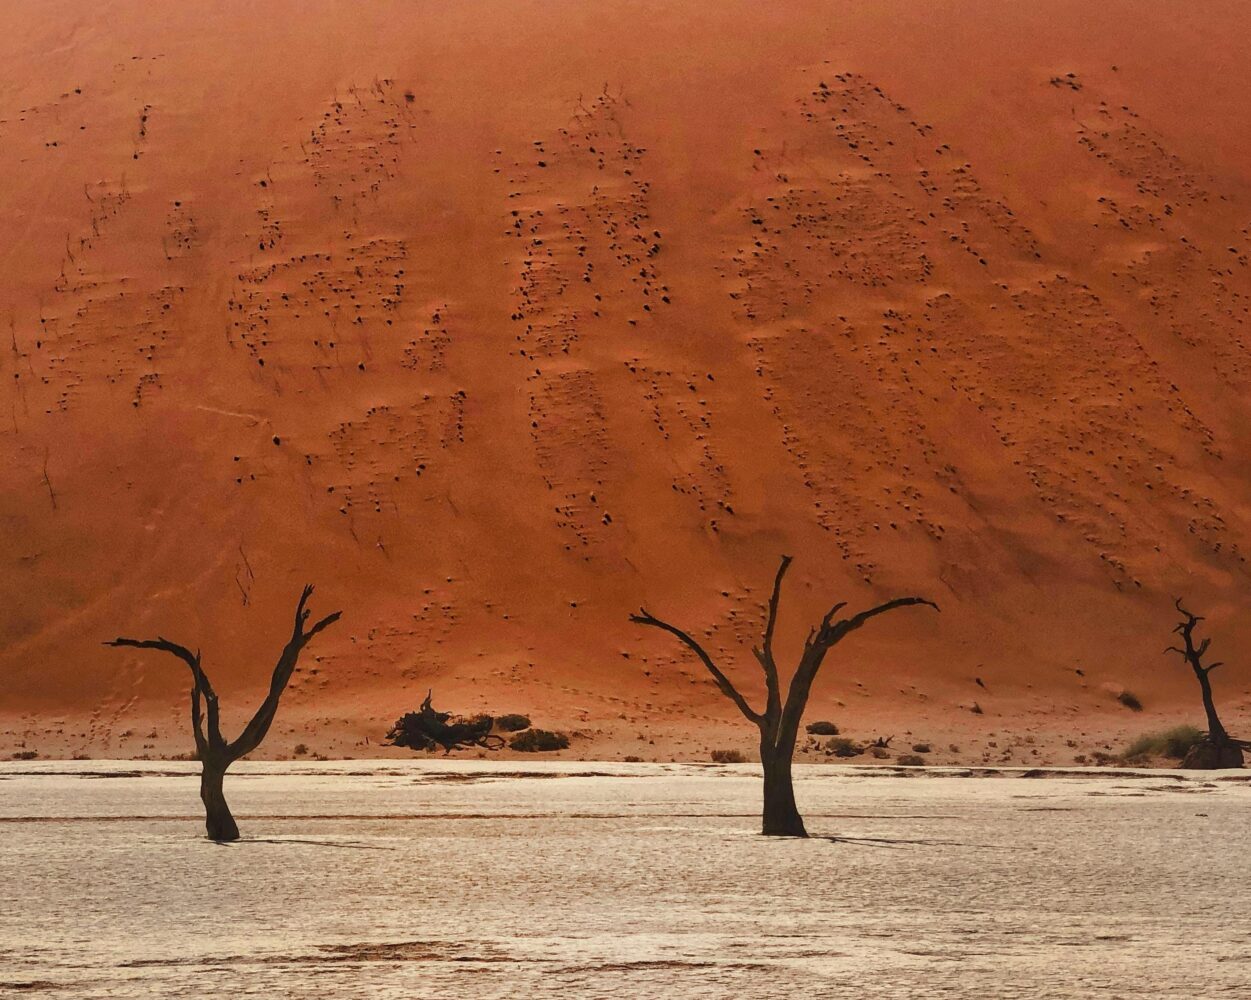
<point>427,728</point>
<point>25,754</point>
<point>631,759</point>
<point>1103,759</point>
<point>513,722</point>
<point>1130,701</point>
<point>728,757</point>
<point>1172,743</point>
<point>841,746</point>
<point>822,728</point>
<point>538,741</point>
<point>920,748</point>
<point>910,760</point>
<point>300,749</point>
<point>881,753</point>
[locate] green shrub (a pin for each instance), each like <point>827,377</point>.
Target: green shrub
<point>1172,743</point>
<point>822,728</point>
<point>538,741</point>
<point>728,757</point>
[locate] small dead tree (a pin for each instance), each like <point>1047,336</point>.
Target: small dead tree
<point>214,752</point>
<point>1217,749</point>
<point>779,722</point>
<point>428,728</point>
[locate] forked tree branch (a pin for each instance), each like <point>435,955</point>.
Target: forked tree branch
<point>831,631</point>
<point>856,621</point>
<point>259,725</point>
<point>200,686</point>
<point>256,729</point>
<point>723,682</point>
<point>1193,655</point>
<point>764,653</point>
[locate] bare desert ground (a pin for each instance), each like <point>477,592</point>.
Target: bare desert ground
<point>497,320</point>
<point>612,880</point>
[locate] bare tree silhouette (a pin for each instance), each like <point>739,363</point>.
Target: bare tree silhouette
<point>779,722</point>
<point>214,752</point>
<point>1218,748</point>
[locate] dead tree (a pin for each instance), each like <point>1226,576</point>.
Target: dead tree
<point>428,728</point>
<point>214,752</point>
<point>1217,748</point>
<point>779,722</point>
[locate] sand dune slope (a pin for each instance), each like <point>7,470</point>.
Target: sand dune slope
<point>497,320</point>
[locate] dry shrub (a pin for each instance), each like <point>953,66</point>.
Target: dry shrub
<point>539,741</point>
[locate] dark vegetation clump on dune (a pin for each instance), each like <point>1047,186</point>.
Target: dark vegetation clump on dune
<point>822,728</point>
<point>842,746</point>
<point>1130,701</point>
<point>428,729</point>
<point>728,757</point>
<point>538,741</point>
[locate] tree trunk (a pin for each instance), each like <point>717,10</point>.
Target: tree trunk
<point>1216,732</point>
<point>781,817</point>
<point>218,821</point>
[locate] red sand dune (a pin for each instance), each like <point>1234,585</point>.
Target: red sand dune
<point>498,320</point>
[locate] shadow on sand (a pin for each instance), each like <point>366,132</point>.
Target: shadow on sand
<point>341,845</point>
<point>893,842</point>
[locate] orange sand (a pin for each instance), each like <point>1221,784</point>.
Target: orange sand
<point>497,320</point>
